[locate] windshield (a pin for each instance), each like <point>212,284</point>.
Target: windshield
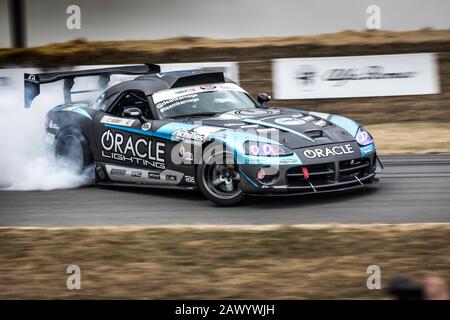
<point>202,100</point>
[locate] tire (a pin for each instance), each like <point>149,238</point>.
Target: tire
<point>218,176</point>
<point>73,152</point>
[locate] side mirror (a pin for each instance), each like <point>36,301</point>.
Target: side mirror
<point>263,98</point>
<point>132,112</point>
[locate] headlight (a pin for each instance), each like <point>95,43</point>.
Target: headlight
<point>363,137</point>
<point>255,148</point>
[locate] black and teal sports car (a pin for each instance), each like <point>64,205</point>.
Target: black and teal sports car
<point>196,129</point>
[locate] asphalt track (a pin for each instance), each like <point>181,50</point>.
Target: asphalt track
<point>412,190</point>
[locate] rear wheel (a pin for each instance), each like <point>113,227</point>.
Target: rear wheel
<point>218,176</point>
<point>72,151</point>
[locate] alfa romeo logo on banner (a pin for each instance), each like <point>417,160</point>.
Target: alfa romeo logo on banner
<point>358,76</point>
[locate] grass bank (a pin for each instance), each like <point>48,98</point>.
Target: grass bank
<point>326,261</point>
<point>415,137</point>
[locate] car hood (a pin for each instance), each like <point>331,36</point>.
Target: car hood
<point>295,128</point>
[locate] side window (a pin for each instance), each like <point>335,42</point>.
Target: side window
<point>131,99</point>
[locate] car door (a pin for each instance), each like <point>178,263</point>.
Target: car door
<point>127,148</point>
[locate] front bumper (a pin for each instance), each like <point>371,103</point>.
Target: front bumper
<point>339,175</point>
<point>336,188</point>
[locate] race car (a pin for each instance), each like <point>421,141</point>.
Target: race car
<point>196,129</point>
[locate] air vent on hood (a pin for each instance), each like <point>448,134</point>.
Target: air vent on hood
<point>318,135</point>
<point>314,133</point>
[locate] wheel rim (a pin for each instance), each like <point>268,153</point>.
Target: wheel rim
<point>222,180</point>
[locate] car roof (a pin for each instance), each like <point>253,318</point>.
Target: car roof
<point>152,83</point>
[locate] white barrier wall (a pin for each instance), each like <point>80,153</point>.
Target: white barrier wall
<point>355,76</point>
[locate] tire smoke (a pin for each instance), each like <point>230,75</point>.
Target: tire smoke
<point>25,160</point>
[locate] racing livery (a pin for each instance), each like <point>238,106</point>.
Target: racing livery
<point>195,129</point>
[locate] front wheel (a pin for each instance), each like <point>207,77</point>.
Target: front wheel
<point>218,176</point>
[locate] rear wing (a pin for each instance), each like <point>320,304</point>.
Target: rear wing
<point>33,82</point>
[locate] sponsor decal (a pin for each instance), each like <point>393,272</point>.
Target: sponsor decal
<point>171,95</point>
<point>143,176</point>
<point>32,78</point>
<point>146,126</point>
<point>367,149</point>
<point>136,151</point>
<point>189,179</point>
<point>117,121</point>
<point>185,91</point>
<point>188,135</point>
<point>287,161</point>
<point>177,101</point>
<point>289,121</point>
<point>154,175</point>
<point>208,87</point>
<point>136,174</point>
<point>170,177</point>
<point>118,172</point>
<point>325,152</point>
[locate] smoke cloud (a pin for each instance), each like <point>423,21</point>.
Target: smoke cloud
<point>25,161</point>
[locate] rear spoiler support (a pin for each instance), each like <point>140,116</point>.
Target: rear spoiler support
<point>32,82</point>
